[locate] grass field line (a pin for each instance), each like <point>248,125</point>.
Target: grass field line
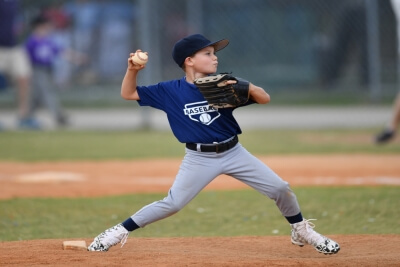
<point>269,117</point>
<point>73,177</point>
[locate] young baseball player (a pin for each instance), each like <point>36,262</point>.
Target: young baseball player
<point>212,146</point>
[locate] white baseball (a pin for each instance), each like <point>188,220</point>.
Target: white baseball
<point>205,118</point>
<point>140,58</point>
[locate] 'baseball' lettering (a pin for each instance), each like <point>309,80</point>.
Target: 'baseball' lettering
<point>198,110</point>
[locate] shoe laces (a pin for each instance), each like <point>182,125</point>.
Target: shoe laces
<point>124,239</point>
<point>112,236</point>
<point>309,225</point>
<point>306,229</point>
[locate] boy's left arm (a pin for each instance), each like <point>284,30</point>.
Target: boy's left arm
<point>258,94</point>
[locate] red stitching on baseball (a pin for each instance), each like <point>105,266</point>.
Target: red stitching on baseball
<point>138,55</point>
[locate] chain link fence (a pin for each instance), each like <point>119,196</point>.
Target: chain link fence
<point>305,50</point>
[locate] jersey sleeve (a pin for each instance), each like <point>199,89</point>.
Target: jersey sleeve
<point>152,95</point>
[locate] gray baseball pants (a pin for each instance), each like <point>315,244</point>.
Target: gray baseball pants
<point>44,91</point>
<point>198,169</point>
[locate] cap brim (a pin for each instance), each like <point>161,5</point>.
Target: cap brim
<point>219,45</point>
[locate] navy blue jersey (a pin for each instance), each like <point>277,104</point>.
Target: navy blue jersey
<point>190,117</point>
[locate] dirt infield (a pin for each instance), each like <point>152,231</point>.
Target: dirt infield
<point>93,178</point>
<point>364,250</point>
<point>76,179</point>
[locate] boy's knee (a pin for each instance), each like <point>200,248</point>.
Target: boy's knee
<point>283,189</point>
<point>173,205</point>
<point>173,208</point>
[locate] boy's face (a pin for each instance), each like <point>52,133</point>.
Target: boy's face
<point>44,29</point>
<point>205,60</point>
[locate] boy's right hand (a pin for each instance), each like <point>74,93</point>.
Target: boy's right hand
<point>132,65</point>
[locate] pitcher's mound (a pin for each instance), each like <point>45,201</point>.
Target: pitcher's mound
<point>356,250</point>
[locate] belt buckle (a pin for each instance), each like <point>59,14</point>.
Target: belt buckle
<point>216,146</point>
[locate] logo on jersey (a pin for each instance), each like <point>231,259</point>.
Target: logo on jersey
<point>201,112</point>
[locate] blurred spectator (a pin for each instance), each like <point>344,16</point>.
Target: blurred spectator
<point>3,82</point>
<point>390,130</point>
<point>42,51</point>
<point>350,33</point>
<point>85,20</point>
<point>62,36</point>
<point>115,37</point>
<point>14,61</point>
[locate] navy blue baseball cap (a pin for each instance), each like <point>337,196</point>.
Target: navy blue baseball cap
<point>189,45</point>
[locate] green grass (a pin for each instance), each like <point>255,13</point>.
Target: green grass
<point>350,210</point>
<point>339,210</point>
<point>79,145</point>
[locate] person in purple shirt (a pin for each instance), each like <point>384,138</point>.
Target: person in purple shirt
<point>14,63</point>
<point>42,51</point>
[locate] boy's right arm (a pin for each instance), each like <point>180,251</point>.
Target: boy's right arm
<point>129,83</point>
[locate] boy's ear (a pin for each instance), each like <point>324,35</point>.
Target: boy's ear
<point>188,61</point>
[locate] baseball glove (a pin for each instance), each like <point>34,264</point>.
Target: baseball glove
<point>221,95</point>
